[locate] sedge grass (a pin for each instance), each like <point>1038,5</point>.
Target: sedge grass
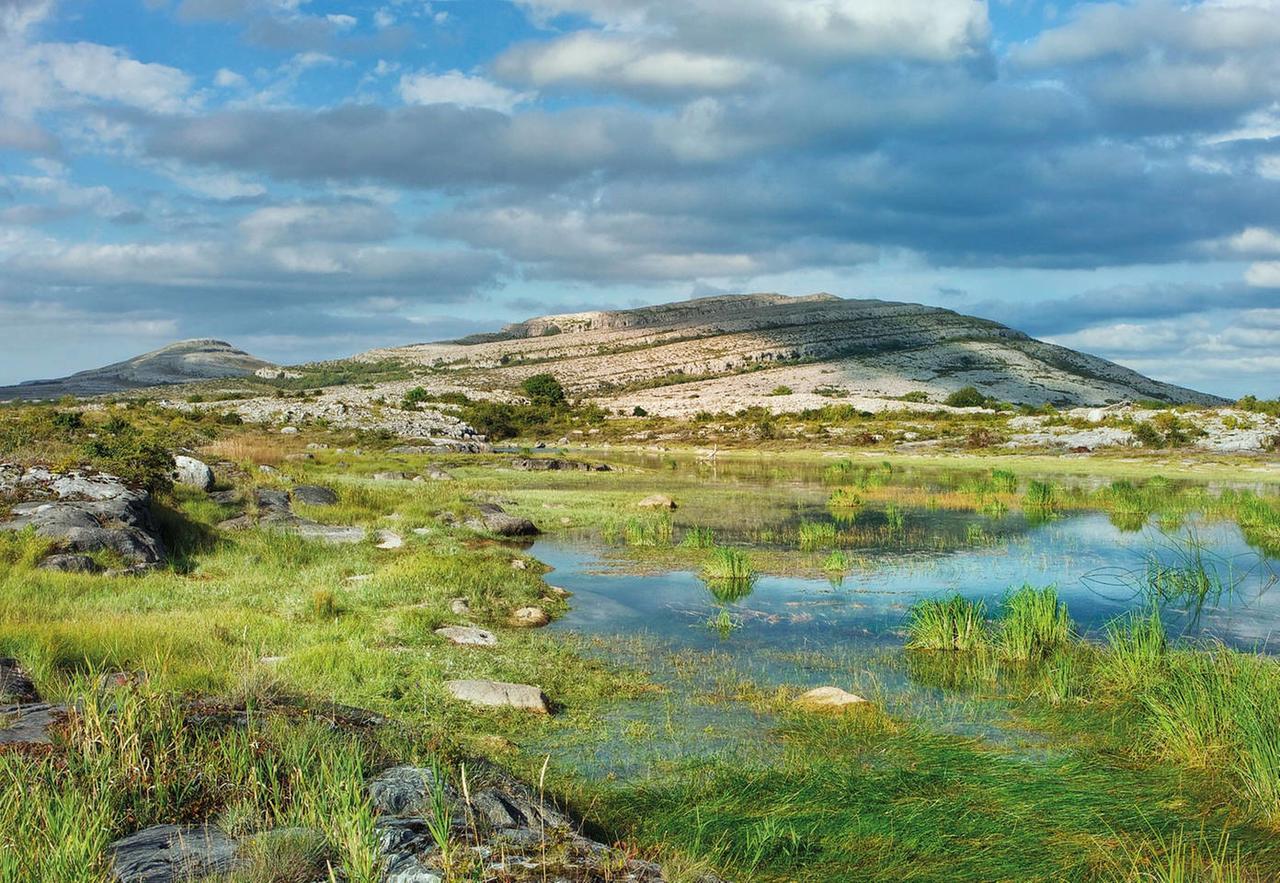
<point>1033,624</point>
<point>948,624</point>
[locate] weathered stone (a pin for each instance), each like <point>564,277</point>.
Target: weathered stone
<point>70,563</point>
<point>86,513</point>
<point>467,635</point>
<point>392,476</point>
<point>29,724</point>
<point>657,501</point>
<point>314,495</point>
<point>494,519</point>
<point>389,539</point>
<point>530,617</point>
<point>16,686</point>
<point>288,430</point>
<point>460,606</point>
<point>821,698</point>
<point>404,790</point>
<point>555,464</point>
<point>499,694</point>
<point>172,853</point>
<point>192,472</point>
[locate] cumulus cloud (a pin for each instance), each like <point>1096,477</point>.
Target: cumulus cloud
<point>457,88</point>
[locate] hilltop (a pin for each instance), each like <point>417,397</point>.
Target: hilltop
<point>182,362</point>
<point>785,353</point>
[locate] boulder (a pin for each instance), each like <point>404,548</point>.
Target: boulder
<point>393,476</point>
<point>530,617</point>
<point>85,512</point>
<point>555,464</point>
<point>389,539</point>
<point>499,694</point>
<point>314,495</point>
<point>22,724</point>
<point>435,473</point>
<point>824,698</point>
<point>192,472</point>
<point>657,501</point>
<point>495,519</point>
<point>172,853</point>
<point>467,636</point>
<point>460,607</point>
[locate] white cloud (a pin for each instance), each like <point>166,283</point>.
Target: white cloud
<point>45,75</point>
<point>592,59</point>
<point>343,222</point>
<point>229,79</point>
<point>342,22</point>
<point>458,88</point>
<point>1264,274</point>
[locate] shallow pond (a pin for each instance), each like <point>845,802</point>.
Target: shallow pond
<point>802,632</point>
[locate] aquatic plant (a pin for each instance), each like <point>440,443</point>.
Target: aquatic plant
<point>640,530</point>
<point>1033,624</point>
<point>1040,495</point>
<point>844,498</point>
<point>836,562</point>
<point>895,518</point>
<point>1137,644</point>
<point>815,535</point>
<point>698,538</point>
<point>728,564</point>
<point>1003,481</point>
<point>953,623</point>
<point>723,623</point>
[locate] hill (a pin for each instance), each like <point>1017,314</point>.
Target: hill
<point>786,353</point>
<point>181,362</point>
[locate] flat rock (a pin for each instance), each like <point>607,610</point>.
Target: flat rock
<point>495,519</point>
<point>467,635</point>
<point>829,698</point>
<point>436,473</point>
<point>499,694</point>
<point>389,539</point>
<point>657,501</point>
<point>171,853</point>
<point>393,476</point>
<point>404,790</point>
<point>29,724</point>
<point>314,495</point>
<point>530,617</point>
<point>555,464</point>
<point>460,606</point>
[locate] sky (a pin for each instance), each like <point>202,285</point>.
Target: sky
<point>310,179</point>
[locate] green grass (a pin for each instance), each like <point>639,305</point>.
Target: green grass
<point>1032,625</point>
<point>816,535</point>
<point>953,623</point>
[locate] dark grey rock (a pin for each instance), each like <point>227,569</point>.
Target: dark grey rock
<point>172,853</point>
<point>404,789</point>
<point>71,563</point>
<point>16,686</point>
<point>494,519</point>
<point>555,464</point>
<point>29,724</point>
<point>314,495</point>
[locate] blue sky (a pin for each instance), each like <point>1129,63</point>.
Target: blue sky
<point>310,179</point>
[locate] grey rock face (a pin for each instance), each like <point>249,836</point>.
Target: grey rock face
<point>555,464</point>
<point>29,724</point>
<point>85,513</point>
<point>404,790</point>
<point>192,472</point>
<point>171,853</point>
<point>70,564</point>
<point>499,694</point>
<point>16,686</point>
<point>314,495</point>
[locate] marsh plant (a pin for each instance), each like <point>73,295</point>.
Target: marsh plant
<point>1033,624</point>
<point>815,535</point>
<point>954,623</point>
<point>844,498</point>
<point>728,574</point>
<point>698,538</point>
<point>1041,496</point>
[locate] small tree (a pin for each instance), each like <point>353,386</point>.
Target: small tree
<point>543,389</point>
<point>966,397</point>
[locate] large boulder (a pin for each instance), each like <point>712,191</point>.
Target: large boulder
<point>169,853</point>
<point>84,512</point>
<point>829,699</point>
<point>192,473</point>
<point>555,464</point>
<point>494,519</point>
<point>314,495</point>
<point>499,694</point>
<point>657,501</point>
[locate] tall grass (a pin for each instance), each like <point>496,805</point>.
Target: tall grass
<point>729,574</point>
<point>1137,645</point>
<point>1040,495</point>
<point>954,623</point>
<point>815,535</point>
<point>1033,624</point>
<point>698,538</point>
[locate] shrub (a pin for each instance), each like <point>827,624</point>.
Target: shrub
<point>638,411</point>
<point>781,391</point>
<point>966,397</point>
<point>543,389</point>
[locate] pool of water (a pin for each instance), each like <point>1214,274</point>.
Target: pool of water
<point>804,632</point>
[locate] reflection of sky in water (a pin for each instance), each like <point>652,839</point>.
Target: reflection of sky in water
<point>808,632</point>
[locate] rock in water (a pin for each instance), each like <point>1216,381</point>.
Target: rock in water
<point>192,473</point>
<point>821,698</point>
<point>314,495</point>
<point>499,694</point>
<point>494,519</point>
<point>467,636</point>
<point>657,501</point>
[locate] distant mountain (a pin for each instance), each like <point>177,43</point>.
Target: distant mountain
<point>785,353</point>
<point>181,362</point>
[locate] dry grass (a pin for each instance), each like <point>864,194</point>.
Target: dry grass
<point>259,449</point>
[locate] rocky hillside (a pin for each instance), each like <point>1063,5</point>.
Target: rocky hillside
<point>181,362</point>
<point>786,353</point>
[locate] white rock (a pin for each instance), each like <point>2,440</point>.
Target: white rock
<point>499,694</point>
<point>829,697</point>
<point>467,635</point>
<point>192,472</point>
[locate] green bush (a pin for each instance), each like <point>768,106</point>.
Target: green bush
<point>967,397</point>
<point>543,389</point>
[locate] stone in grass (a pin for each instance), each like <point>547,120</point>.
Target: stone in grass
<point>192,472</point>
<point>389,539</point>
<point>16,686</point>
<point>657,501</point>
<point>467,635</point>
<point>530,617</point>
<point>314,495</point>
<point>829,698</point>
<point>70,563</point>
<point>460,606</point>
<point>499,694</point>
<point>165,853</point>
<point>404,790</point>
<point>393,476</point>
